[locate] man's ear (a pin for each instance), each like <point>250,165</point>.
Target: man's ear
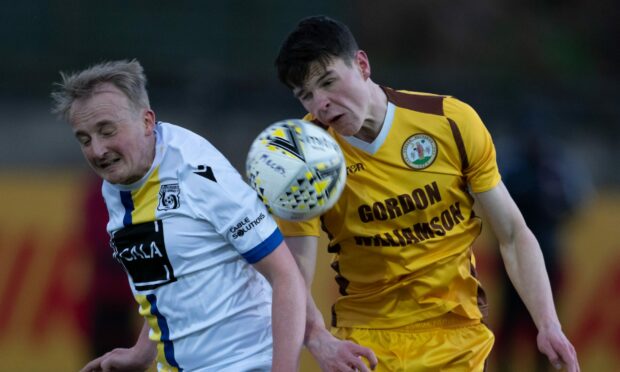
<point>361,59</point>
<point>149,120</point>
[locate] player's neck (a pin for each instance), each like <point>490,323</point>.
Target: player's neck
<point>376,114</point>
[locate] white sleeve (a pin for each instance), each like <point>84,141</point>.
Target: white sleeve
<point>218,194</point>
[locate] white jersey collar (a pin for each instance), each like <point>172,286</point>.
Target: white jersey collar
<point>374,146</point>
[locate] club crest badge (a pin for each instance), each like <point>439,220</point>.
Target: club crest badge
<point>169,197</point>
<point>419,151</point>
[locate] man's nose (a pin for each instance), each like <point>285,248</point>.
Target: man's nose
<point>322,102</point>
<point>98,147</point>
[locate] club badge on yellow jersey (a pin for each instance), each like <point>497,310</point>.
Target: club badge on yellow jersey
<point>419,151</point>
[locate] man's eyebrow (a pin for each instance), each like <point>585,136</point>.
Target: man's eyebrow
<point>324,75</point>
<point>104,123</point>
<point>299,92</point>
<point>79,133</point>
<point>98,126</point>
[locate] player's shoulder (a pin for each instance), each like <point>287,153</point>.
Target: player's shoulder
<point>185,143</point>
<point>190,154</point>
<point>454,105</point>
<point>178,136</point>
<point>429,103</point>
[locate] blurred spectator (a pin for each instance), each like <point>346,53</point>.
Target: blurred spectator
<point>547,188</point>
<point>111,303</point>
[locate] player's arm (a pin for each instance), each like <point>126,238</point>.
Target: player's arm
<point>525,266</point>
<point>288,307</point>
<point>331,354</point>
<point>137,358</point>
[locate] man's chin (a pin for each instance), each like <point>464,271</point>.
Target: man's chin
<point>346,131</point>
<point>110,177</point>
<point>113,181</point>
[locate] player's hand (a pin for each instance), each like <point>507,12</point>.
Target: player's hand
<point>120,360</point>
<point>334,355</point>
<point>553,343</point>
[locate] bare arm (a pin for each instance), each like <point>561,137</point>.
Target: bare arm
<point>304,252</point>
<point>332,354</point>
<point>288,307</point>
<point>525,266</point>
<point>137,358</point>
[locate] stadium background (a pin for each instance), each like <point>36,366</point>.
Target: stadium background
<point>537,72</point>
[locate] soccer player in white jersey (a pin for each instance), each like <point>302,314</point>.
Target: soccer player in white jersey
<point>193,238</point>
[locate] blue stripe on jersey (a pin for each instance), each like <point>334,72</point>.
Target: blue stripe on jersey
<point>263,249</point>
<point>128,204</point>
<point>165,332</point>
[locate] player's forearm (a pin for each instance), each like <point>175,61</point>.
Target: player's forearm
<point>526,268</point>
<point>145,350</point>
<point>304,252</point>
<point>315,324</point>
<point>288,311</point>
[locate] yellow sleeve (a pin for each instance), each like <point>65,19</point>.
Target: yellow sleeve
<point>481,172</point>
<point>310,227</point>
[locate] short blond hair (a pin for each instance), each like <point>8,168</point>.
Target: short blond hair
<point>126,75</point>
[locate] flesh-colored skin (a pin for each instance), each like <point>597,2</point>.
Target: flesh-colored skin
<point>344,97</point>
<point>117,140</point>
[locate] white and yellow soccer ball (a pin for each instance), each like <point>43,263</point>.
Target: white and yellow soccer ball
<point>297,169</point>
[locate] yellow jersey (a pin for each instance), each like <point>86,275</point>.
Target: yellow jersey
<point>402,231</point>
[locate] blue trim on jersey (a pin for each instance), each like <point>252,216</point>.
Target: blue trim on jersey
<point>128,204</point>
<point>263,249</point>
<point>165,332</point>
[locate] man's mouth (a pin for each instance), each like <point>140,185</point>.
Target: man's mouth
<point>107,163</point>
<point>334,119</point>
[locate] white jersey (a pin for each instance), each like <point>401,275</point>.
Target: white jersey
<point>186,234</point>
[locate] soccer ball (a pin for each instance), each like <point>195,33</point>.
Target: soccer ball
<point>297,169</point>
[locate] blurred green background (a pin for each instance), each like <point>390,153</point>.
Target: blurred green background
<point>546,66</point>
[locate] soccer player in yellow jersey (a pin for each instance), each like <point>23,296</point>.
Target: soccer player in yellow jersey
<point>403,228</point>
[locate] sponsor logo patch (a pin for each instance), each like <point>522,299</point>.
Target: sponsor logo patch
<point>245,226</point>
<point>142,252</point>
